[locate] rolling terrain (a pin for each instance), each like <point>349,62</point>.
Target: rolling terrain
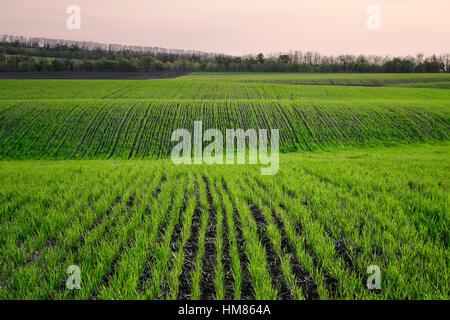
<point>102,119</point>
<point>363,180</point>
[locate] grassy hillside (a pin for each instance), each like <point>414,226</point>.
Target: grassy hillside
<point>66,119</point>
<point>204,90</point>
<point>143,128</point>
<point>344,79</point>
<point>366,182</point>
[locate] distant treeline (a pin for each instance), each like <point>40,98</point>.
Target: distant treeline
<point>16,56</point>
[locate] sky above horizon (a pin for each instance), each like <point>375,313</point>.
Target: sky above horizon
<point>240,27</point>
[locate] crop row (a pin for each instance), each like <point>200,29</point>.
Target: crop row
<point>223,88</point>
<point>355,79</point>
<point>152,230</point>
<point>142,129</point>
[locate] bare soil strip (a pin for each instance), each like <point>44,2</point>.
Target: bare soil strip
<point>302,277</point>
<point>273,260</point>
<point>190,251</point>
<point>91,75</point>
<point>226,256</point>
<point>207,282</point>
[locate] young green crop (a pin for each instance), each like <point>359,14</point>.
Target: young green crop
<point>142,129</point>
<point>335,214</point>
<point>363,181</point>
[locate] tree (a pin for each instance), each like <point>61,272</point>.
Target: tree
<point>445,58</point>
<point>147,64</point>
<point>58,65</point>
<point>260,58</point>
<point>284,58</point>
<point>211,66</point>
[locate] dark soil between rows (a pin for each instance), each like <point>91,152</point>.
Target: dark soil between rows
<point>207,287</point>
<point>226,255</point>
<point>302,277</point>
<point>273,260</point>
<point>91,75</point>
<point>190,251</point>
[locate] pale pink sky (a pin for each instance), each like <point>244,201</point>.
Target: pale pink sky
<point>241,26</point>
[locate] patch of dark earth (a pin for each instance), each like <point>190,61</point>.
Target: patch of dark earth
<point>289,193</point>
<point>302,277</point>
<point>226,256</point>
<point>163,231</point>
<point>207,287</point>
<point>190,251</point>
<point>273,260</point>
<point>145,278</point>
<point>92,75</point>
<point>342,248</point>
<point>330,282</point>
<point>157,190</point>
<point>166,222</point>
<point>36,255</point>
<point>175,241</point>
<point>343,252</point>
<point>364,279</point>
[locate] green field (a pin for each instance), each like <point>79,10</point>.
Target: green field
<point>363,180</point>
<point>343,79</point>
<point>102,119</point>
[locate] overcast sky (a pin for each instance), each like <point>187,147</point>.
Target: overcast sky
<point>241,26</point>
